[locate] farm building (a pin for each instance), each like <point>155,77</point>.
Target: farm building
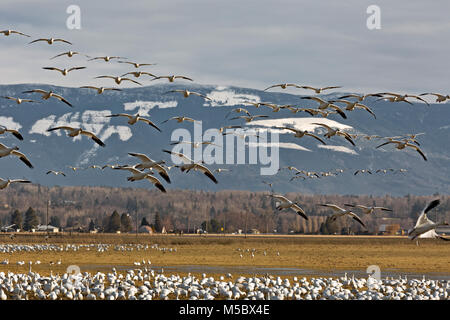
<point>46,228</point>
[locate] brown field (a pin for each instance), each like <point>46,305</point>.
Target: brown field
<point>322,253</point>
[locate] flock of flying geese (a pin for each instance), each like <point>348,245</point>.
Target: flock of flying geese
<point>324,108</point>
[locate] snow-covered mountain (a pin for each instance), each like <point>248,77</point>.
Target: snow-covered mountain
<point>54,150</point>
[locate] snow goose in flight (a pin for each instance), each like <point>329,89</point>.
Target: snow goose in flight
<point>276,107</point>
<point>283,86</point>
<point>70,54</point>
<point>51,40</point>
<point>360,97</point>
<point>48,94</point>
<point>73,132</point>
<point>195,144</point>
<point>118,80</point>
<point>180,119</point>
<point>100,90</point>
<point>5,183</point>
<point>106,58</point>
<point>327,104</point>
<point>147,163</point>
<point>186,93</point>
<point>137,74</point>
<point>339,212</point>
<point>400,97</point>
<point>189,164</point>
<point>140,175</point>
<point>56,172</point>
<point>332,132</point>
<point>367,210</point>
<point>5,151</point>
<point>132,119</point>
<point>355,104</point>
<point>301,133</point>
<point>362,171</point>
<point>400,145</point>
<point>172,78</point>
<point>319,90</point>
<point>137,65</point>
<point>238,110</point>
<point>15,133</point>
<point>249,118</point>
<point>439,97</point>
<point>20,100</point>
<point>64,72</point>
<point>286,203</point>
<point>10,32</point>
<point>425,227</point>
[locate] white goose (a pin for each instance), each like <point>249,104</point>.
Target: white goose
<point>400,145</point>
<point>249,118</point>
<point>439,97</point>
<point>425,227</point>
<point>137,74</point>
<point>147,163</point>
<point>20,100</point>
<point>319,90</point>
<point>10,32</point>
<point>49,94</point>
<point>140,175</point>
<point>118,80</point>
<point>283,86</point>
<point>189,164</point>
<point>355,104</point>
<point>137,65</point>
<point>56,172</point>
<point>73,132</point>
<point>70,54</point>
<point>286,203</point>
<point>172,78</point>
<point>301,133</point>
<point>326,104</point>
<point>332,132</point>
<point>51,40</point>
<point>180,119</point>
<point>100,90</point>
<point>367,210</point>
<point>15,133</point>
<point>106,58</point>
<point>132,119</point>
<point>5,151</point>
<point>339,212</point>
<point>5,183</point>
<point>64,72</point>
<point>186,93</point>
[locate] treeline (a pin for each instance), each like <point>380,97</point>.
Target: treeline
<point>222,211</point>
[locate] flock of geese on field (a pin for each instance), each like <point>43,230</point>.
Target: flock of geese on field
<point>323,108</point>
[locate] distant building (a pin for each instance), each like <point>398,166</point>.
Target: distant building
<point>145,229</point>
<point>389,229</point>
<point>46,228</point>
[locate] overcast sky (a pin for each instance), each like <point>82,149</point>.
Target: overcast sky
<point>243,43</point>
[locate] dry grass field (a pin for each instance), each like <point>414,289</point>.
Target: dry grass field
<point>320,253</point>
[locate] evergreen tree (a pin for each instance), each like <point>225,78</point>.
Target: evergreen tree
<point>91,226</point>
<point>158,226</point>
<point>114,222</point>
<point>16,218</point>
<point>125,222</point>
<point>31,219</point>
<point>55,221</point>
<point>144,222</point>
